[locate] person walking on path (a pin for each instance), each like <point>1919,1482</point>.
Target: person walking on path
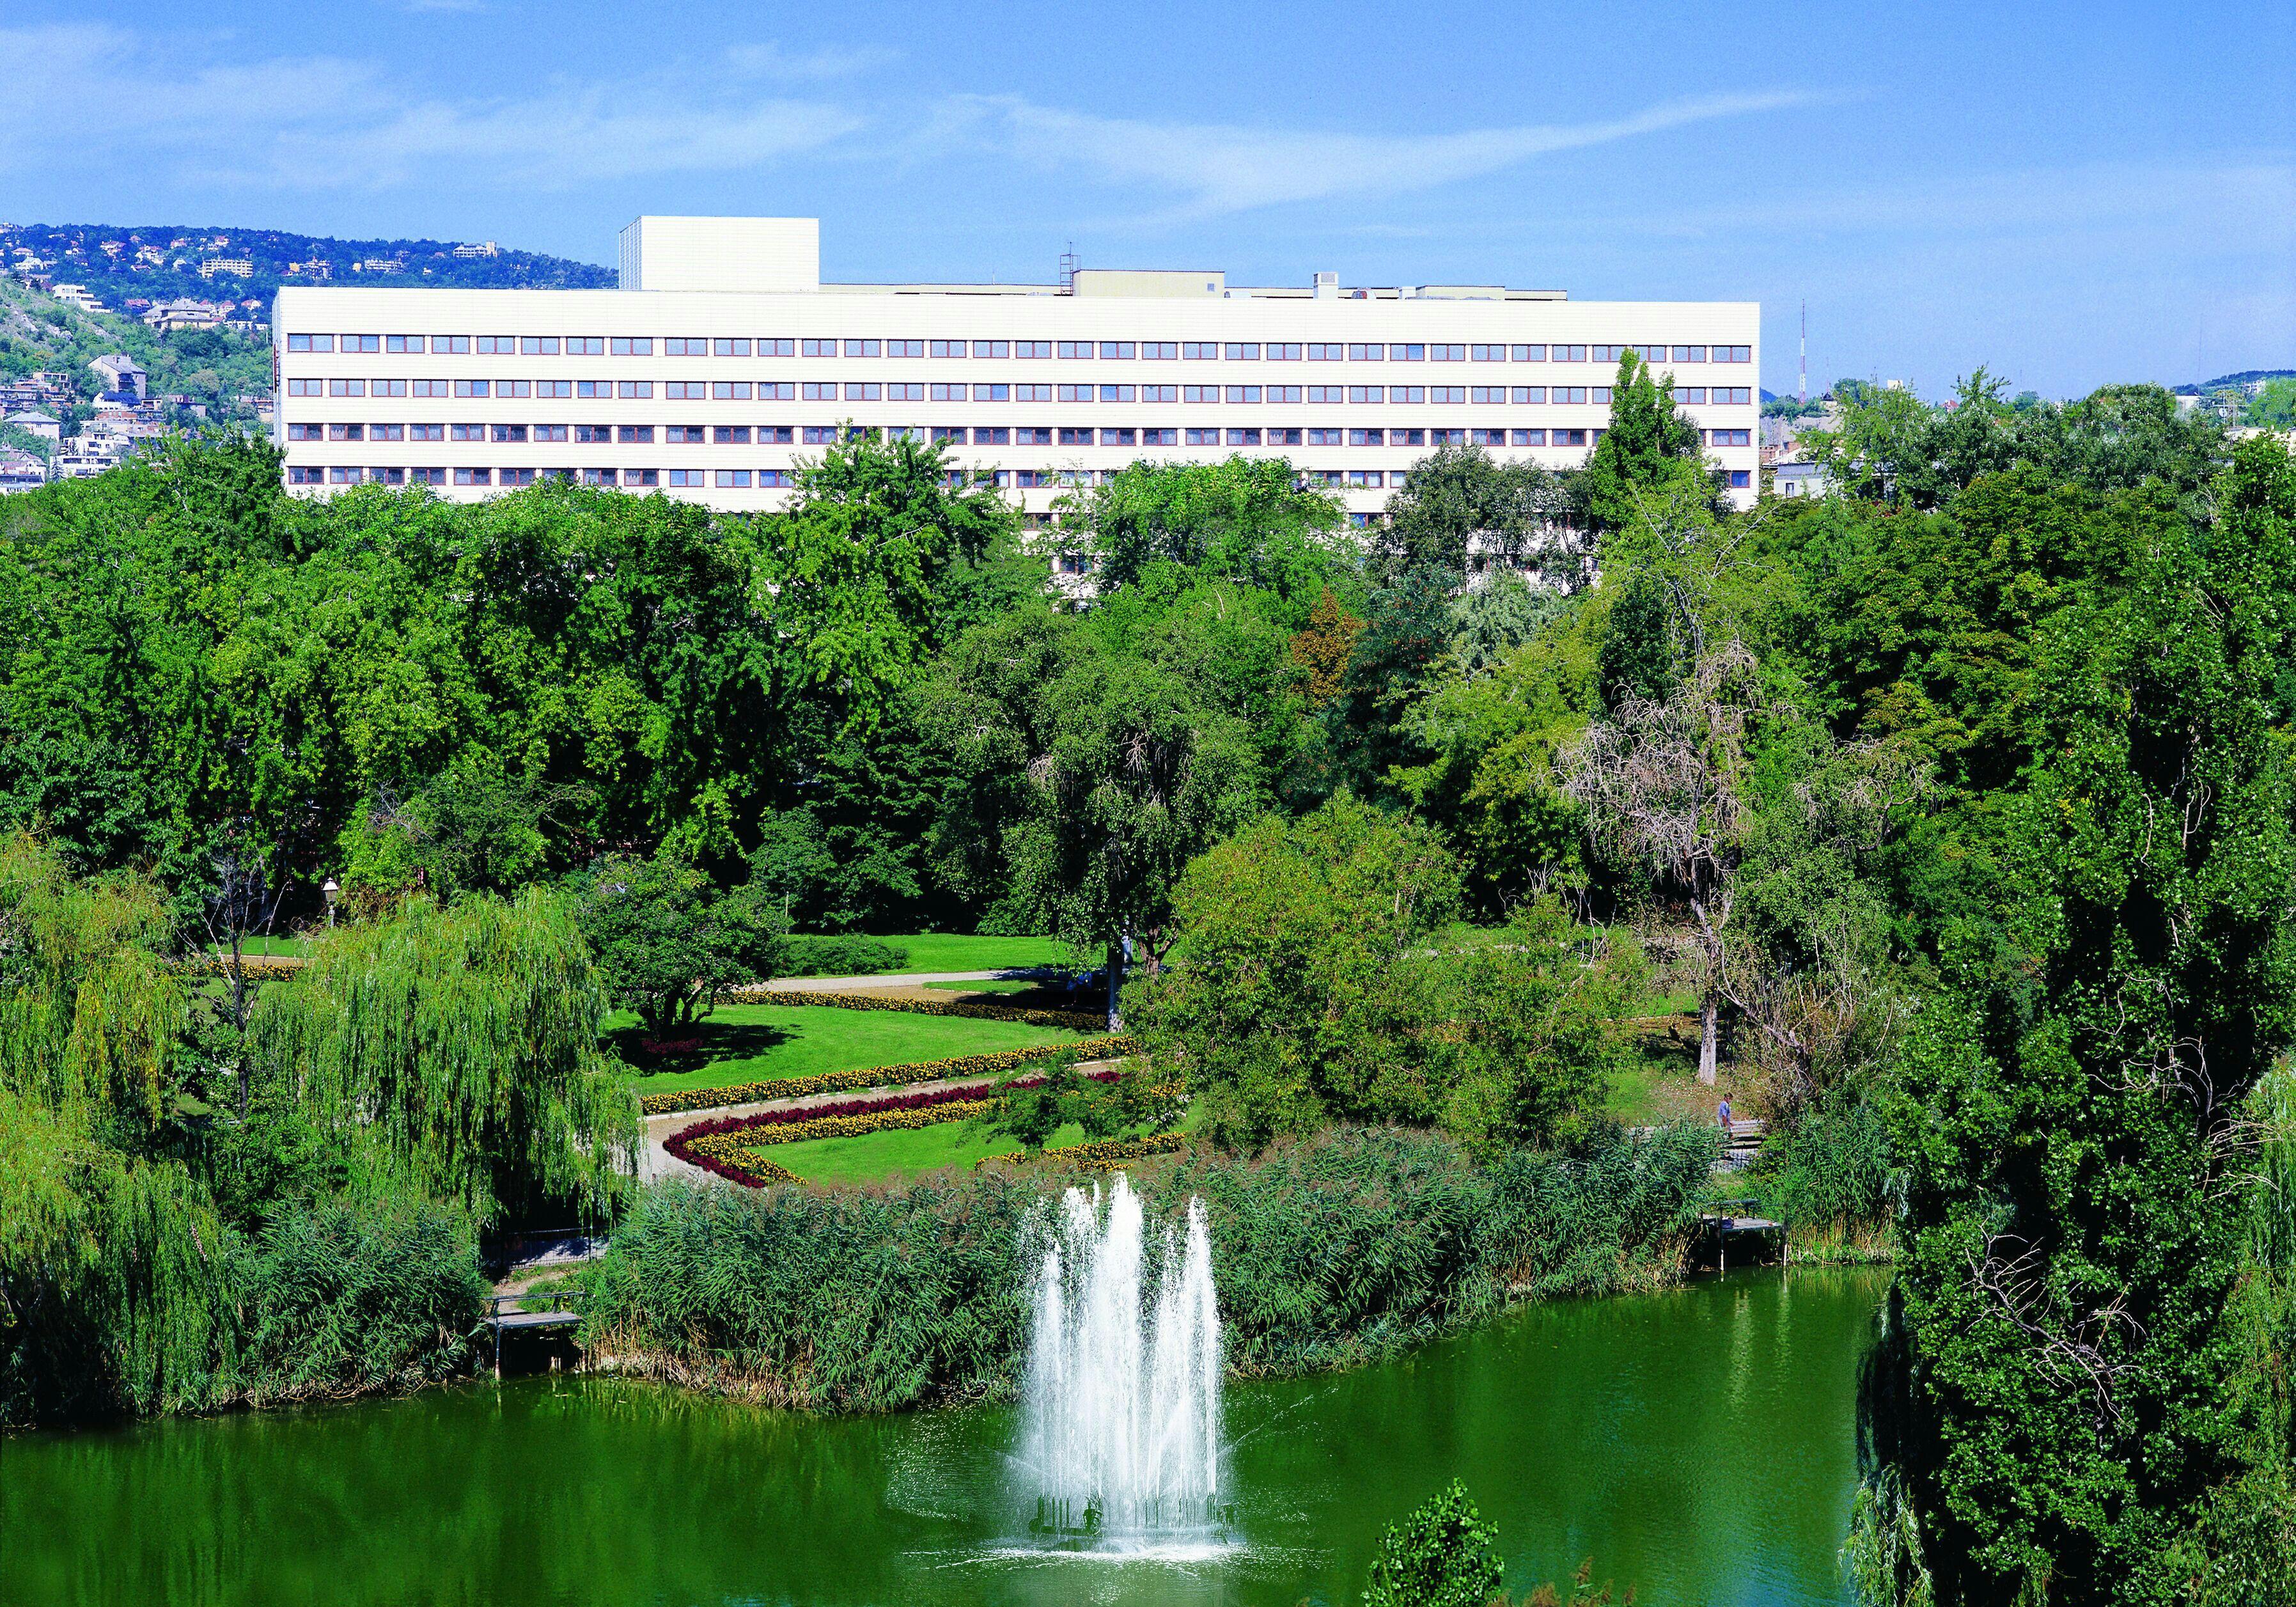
<point>1722,1114</point>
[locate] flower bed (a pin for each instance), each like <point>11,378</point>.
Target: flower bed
<point>1099,1155</point>
<point>881,1076</point>
<point>1080,1021</point>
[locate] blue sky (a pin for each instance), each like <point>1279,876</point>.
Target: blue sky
<point>2069,194</point>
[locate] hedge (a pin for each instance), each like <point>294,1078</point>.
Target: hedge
<point>883,1076</point>
<point>1080,1021</point>
<point>842,957</point>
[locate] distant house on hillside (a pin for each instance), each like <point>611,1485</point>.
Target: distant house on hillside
<point>170,315</point>
<point>31,421</point>
<point>484,248</point>
<point>21,471</point>
<point>120,372</point>
<point>1801,480</point>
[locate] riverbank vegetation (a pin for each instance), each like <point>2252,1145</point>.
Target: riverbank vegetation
<point>1943,822</point>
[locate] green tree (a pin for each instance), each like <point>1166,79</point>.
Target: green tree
<point>1245,519</point>
<point>1460,509</point>
<point>2066,1392</point>
<point>670,944</point>
<point>1442,1556</point>
<point>1647,445</point>
<point>2273,408</point>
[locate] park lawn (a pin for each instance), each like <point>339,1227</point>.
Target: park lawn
<point>956,951</point>
<point>763,1043</point>
<point>300,948</point>
<point>898,1151</point>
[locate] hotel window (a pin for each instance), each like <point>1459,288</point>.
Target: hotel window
<point>1567,395</point>
<point>992,348</point>
<point>538,345</point>
<point>1741,479</point>
<point>590,435</point>
<point>386,477</point>
<point>427,477</point>
<point>1030,435</point>
<point>599,477</point>
<point>496,346</point>
<point>362,343</point>
<point>635,435</point>
<point>1327,477</point>
<point>1280,352</point>
<point>1327,393</point>
<point>634,477</point>
<point>554,388</point>
<point>777,435</point>
<point>1449,438</point>
<point>1690,354</point>
<point>466,433</point>
<point>1160,393</point>
<point>298,475</point>
<point>864,349</point>
<point>1488,354</point>
<point>474,477</point>
<point>733,391</point>
<point>1734,393</point>
<point>585,346</point>
<point>1284,393</point>
<point>868,391</point>
<point>992,436</point>
<point>1487,393</point>
<point>427,388</point>
<point>1528,354</point>
<point>781,347</point>
<point>1366,393</point>
<point>343,477</point>
<point>1528,437</point>
<point>1032,349</point>
<point>1733,354</point>
<point>729,346</point>
<point>589,390</point>
<point>433,432</point>
<point>402,343</point>
<point>1366,478</point>
<point>768,477</point>
<point>992,393</point>
<point>453,345</point>
<point>1076,393</point>
<point>817,349</point>
<point>727,435</point>
<point>904,393</point>
<point>1327,437</point>
<point>689,477</point>
<point>1604,354</point>
<point>820,391</point>
<point>1691,395</point>
<point>386,388</point>
<point>1526,395</point>
<point>684,390</point>
<point>1487,438</point>
<point>1366,354</point>
<point>1112,351</point>
<point>1365,438</point>
<point>359,387</point>
<point>1201,437</point>
<point>1160,351</point>
<point>820,435</point>
<point>1076,438</point>
<point>1199,351</point>
<point>1246,351</point>
<point>1283,437</point>
<point>1243,438</point>
<point>940,392</point>
<point>949,432</point>
<point>346,432</point>
<point>1566,438</point>
<point>1447,354</point>
<point>776,390</point>
<point>510,432</point>
<point>545,432</point>
<point>1412,353</point>
<point>1406,393</point>
<point>1406,437</point>
<point>1649,354</point>
<point>305,432</point>
<point>733,480</point>
<point>1600,394</point>
<point>310,343</point>
<point>514,476</point>
<point>1326,353</point>
<point>1165,437</point>
<point>905,349</point>
<point>1567,354</point>
<point>1116,438</point>
<point>1730,438</point>
<point>1116,393</point>
<point>1200,393</point>
<point>631,346</point>
<point>947,348</point>
<point>515,387</point>
<point>1447,393</point>
<point>1243,393</point>
<point>1032,393</point>
<point>628,388</point>
<point>685,346</point>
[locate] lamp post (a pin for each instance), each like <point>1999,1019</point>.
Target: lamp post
<point>329,892</point>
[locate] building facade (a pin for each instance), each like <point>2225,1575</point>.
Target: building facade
<point>723,361</point>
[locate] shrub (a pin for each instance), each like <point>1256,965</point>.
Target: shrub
<point>1442,1556</point>
<point>882,1077</point>
<point>841,957</point>
<point>1832,1179</point>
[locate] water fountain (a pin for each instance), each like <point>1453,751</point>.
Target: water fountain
<point>1122,1415</point>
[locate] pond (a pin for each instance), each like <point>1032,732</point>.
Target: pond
<point>1697,1444</point>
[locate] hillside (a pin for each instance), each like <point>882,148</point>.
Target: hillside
<point>122,264</point>
<point>215,366</point>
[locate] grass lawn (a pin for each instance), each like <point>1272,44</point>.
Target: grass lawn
<point>952,951</point>
<point>271,945</point>
<point>760,1043</point>
<point>903,1152</point>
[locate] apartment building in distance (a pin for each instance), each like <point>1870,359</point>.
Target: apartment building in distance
<point>724,360</point>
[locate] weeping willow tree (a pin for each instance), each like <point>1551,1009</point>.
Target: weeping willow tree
<point>455,1053</point>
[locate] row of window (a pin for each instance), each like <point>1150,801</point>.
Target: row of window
<point>872,390</point>
<point>1112,351</point>
<point>742,479</point>
<point>1001,435</point>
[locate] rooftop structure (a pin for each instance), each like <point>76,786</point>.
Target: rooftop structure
<point>723,358</point>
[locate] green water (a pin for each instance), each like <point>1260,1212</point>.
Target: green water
<point>1697,1444</point>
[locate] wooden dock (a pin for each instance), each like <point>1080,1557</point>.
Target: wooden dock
<point>505,1315</point>
<point>1725,1224</point>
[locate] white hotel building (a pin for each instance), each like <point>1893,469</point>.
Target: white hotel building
<point>723,361</point>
